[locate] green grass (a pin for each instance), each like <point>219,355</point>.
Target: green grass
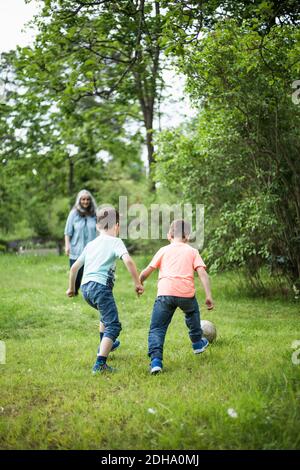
<point>50,400</point>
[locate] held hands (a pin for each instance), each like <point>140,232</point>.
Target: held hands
<point>209,303</point>
<point>139,289</point>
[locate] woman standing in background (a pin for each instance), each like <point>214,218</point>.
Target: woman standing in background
<point>80,229</point>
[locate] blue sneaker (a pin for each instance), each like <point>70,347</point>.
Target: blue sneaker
<point>99,367</point>
<point>115,346</point>
<point>200,346</point>
<point>156,366</point>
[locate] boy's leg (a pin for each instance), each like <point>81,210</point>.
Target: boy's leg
<point>105,347</point>
<point>116,343</point>
<point>112,327</point>
<point>100,297</point>
<point>101,332</point>
<point>88,293</point>
<point>109,319</point>
<point>101,328</point>
<point>191,311</point>
<point>163,311</point>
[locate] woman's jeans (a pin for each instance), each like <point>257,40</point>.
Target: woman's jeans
<point>101,298</point>
<point>79,276</point>
<point>163,311</point>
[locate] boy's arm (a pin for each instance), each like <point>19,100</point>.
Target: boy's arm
<point>146,273</point>
<point>130,265</point>
<point>203,276</point>
<point>72,277</point>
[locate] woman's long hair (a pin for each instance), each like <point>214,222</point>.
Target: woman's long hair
<point>91,210</point>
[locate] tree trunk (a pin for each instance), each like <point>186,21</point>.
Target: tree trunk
<point>148,112</point>
<point>71,180</point>
<point>147,91</point>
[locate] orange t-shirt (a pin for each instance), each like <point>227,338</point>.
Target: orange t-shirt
<point>177,263</point>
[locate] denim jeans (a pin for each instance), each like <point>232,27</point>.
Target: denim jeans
<point>79,276</point>
<point>101,298</point>
<point>163,311</point>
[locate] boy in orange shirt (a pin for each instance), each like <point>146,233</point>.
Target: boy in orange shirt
<point>176,263</point>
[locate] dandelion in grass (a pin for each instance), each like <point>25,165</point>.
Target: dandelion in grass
<point>232,413</point>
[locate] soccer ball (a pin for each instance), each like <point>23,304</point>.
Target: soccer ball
<point>209,330</point>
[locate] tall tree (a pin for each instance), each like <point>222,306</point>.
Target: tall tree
<point>50,147</point>
<point>244,152</point>
<point>103,49</point>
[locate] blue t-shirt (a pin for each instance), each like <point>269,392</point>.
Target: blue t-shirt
<point>81,230</point>
<point>99,258</point>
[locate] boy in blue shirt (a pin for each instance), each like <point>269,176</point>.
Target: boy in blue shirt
<point>98,258</point>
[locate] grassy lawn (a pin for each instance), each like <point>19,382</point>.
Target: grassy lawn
<point>50,400</point>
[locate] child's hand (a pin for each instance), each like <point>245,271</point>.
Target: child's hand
<point>70,293</point>
<point>209,303</point>
<point>139,289</point>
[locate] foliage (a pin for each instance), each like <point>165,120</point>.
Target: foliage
<point>107,50</point>
<point>240,158</point>
<point>80,99</point>
<point>49,154</point>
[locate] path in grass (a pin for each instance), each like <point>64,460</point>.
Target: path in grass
<point>50,400</point>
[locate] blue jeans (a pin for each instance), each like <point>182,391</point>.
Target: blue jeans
<point>101,298</point>
<point>163,311</point>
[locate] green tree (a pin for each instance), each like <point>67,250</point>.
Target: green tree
<point>241,157</point>
<point>103,49</point>
<point>50,149</point>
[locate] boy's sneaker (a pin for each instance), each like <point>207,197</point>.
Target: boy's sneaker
<point>200,346</point>
<point>115,346</point>
<point>156,366</point>
<point>99,367</point>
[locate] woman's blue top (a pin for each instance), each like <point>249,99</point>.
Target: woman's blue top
<point>81,230</point>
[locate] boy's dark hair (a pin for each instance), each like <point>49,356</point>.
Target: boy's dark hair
<point>107,218</point>
<point>179,228</point>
